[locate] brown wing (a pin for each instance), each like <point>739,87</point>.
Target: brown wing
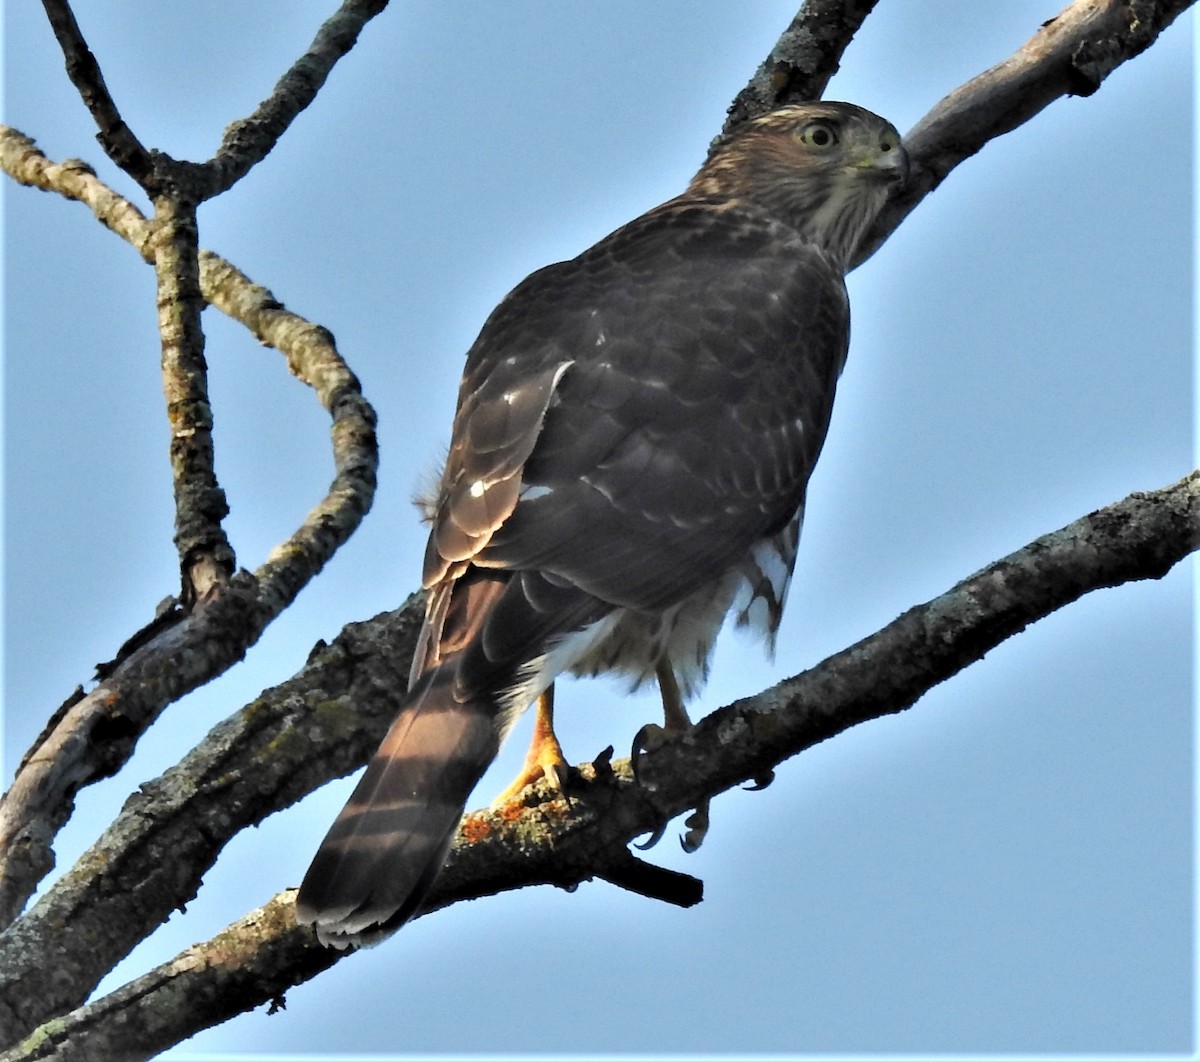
<point>647,411</point>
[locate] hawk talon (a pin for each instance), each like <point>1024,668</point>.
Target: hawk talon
<point>697,823</point>
<point>649,739</point>
<point>655,837</point>
<point>559,775</point>
<point>761,781</point>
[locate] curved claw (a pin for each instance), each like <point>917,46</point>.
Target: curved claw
<point>697,823</point>
<point>655,837</point>
<point>650,737</point>
<point>761,781</point>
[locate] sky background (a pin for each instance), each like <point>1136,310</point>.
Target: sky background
<point>1007,867</point>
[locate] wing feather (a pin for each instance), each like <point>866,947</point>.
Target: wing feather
<point>682,434</point>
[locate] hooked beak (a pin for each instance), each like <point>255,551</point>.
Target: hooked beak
<point>894,163</point>
<point>888,162</point>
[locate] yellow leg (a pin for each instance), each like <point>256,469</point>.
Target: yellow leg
<point>650,737</point>
<point>675,717</point>
<point>545,755</point>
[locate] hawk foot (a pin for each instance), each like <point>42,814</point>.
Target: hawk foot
<point>553,768</point>
<point>545,757</point>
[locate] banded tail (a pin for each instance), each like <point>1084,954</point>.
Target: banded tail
<point>385,848</point>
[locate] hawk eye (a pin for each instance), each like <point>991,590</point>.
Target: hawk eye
<point>820,135</point>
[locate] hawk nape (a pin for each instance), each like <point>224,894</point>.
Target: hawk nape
<point>634,436</point>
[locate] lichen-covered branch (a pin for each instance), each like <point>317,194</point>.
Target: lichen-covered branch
<point>152,858</point>
<point>206,558</point>
<point>555,841</point>
<point>249,140</point>
<point>74,179</point>
<point>143,1018</point>
<point>312,356</point>
<point>94,736</point>
<point>803,60</point>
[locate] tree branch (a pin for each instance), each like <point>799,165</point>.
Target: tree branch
<point>151,859</point>
<point>246,142</point>
<point>552,840</point>
<point>249,140</point>
<point>803,60</point>
<point>117,139</point>
<point>94,734</point>
<point>1070,55</point>
<point>206,558</point>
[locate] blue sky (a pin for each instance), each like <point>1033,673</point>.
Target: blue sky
<point>1007,867</point>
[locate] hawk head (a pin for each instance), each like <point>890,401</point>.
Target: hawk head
<point>824,168</point>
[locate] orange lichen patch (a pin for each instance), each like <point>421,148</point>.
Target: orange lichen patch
<point>475,829</point>
<point>511,811</point>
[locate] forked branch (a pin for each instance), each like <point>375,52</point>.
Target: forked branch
<point>94,735</point>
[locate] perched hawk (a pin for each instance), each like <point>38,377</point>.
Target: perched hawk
<point>634,435</point>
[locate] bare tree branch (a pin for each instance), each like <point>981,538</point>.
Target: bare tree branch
<point>249,140</point>
<point>206,558</point>
<point>94,734</point>
<point>555,841</point>
<point>1070,55</point>
<point>140,1020</point>
<point>118,140</point>
<point>150,861</point>
<point>803,60</point>
<point>246,142</point>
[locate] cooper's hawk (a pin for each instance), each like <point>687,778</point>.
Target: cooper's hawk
<point>635,432</point>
